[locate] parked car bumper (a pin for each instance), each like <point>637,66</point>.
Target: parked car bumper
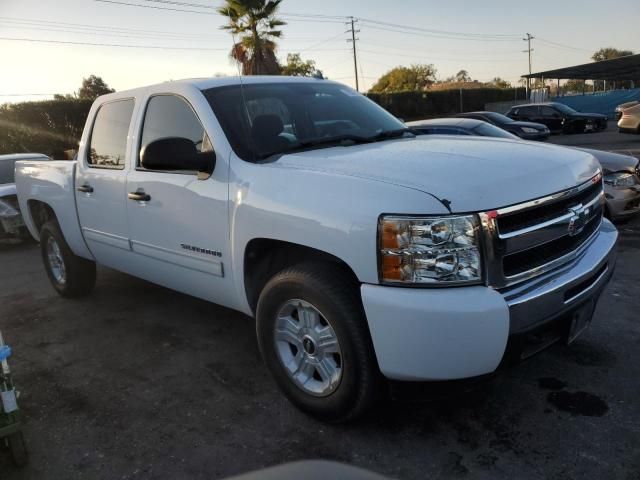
<point>453,333</point>
<point>11,222</point>
<point>622,202</point>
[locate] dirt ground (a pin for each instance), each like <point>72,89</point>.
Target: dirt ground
<point>137,381</point>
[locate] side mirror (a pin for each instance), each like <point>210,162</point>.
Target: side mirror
<point>175,153</point>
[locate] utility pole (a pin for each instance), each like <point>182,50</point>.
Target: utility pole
<point>529,50</point>
<point>353,39</point>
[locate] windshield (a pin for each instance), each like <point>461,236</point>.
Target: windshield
<point>498,117</point>
<point>488,130</point>
<point>271,118</point>
<point>7,174</point>
<point>563,108</point>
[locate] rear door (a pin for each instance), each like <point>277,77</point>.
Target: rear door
<point>180,235</point>
<point>101,184</point>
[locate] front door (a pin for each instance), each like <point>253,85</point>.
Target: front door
<point>101,184</point>
<point>552,118</point>
<point>179,231</point>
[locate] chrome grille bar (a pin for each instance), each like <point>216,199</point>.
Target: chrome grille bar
<point>542,234</point>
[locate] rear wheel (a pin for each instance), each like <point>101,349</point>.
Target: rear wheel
<point>314,339</point>
<point>70,275</point>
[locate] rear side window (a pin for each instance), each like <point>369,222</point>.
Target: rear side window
<point>171,116</point>
<point>108,142</point>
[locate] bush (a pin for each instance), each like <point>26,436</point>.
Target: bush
<point>48,127</point>
<point>429,104</point>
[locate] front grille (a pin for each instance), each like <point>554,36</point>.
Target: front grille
<point>527,240</point>
<point>547,252</point>
<point>518,220</point>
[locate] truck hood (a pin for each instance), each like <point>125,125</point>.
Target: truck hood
<point>468,174</point>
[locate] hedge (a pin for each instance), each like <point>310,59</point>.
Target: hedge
<point>48,127</point>
<point>420,105</point>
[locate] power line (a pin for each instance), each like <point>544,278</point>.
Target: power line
<point>441,32</point>
<point>432,35</point>
<point>560,45</point>
<point>27,94</point>
<point>84,26</point>
<point>64,42</point>
<point>38,28</point>
<point>128,4</point>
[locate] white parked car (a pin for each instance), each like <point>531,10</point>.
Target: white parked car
<point>364,252</point>
<point>11,223</point>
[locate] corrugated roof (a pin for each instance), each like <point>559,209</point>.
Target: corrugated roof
<point>623,68</point>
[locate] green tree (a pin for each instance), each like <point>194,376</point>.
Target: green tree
<point>255,24</point>
<point>462,76</point>
<point>609,53</point>
<point>92,88</point>
<point>297,67</point>
<point>401,79</point>
<point>500,83</point>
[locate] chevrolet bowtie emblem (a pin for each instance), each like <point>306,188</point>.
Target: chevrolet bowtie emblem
<point>579,219</point>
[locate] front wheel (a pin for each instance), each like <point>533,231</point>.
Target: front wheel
<point>314,339</point>
<point>70,275</point>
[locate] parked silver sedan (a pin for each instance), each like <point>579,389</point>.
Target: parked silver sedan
<point>621,183</point>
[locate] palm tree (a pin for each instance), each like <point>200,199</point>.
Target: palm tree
<point>255,24</point>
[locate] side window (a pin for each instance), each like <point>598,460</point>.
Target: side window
<point>171,116</point>
<point>548,112</point>
<point>108,142</point>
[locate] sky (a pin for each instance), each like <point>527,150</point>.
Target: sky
<point>48,47</point>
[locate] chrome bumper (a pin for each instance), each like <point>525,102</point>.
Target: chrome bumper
<point>548,297</point>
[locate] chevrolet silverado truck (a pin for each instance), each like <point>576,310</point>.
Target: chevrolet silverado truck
<point>364,252</point>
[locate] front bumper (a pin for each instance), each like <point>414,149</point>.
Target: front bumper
<point>452,333</point>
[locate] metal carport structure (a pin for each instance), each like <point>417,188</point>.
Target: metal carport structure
<point>623,68</point>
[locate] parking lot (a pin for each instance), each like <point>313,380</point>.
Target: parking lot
<point>137,381</point>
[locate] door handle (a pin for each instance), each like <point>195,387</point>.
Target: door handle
<point>139,196</point>
<point>86,188</point>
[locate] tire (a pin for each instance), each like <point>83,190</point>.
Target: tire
<point>328,290</point>
<point>71,276</point>
<point>18,449</point>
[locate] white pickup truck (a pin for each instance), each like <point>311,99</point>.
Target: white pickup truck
<point>365,253</point>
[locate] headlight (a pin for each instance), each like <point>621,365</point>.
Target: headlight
<point>429,250</point>
<point>620,179</point>
<point>529,130</point>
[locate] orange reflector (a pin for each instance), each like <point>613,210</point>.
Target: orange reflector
<point>392,267</point>
<point>389,235</point>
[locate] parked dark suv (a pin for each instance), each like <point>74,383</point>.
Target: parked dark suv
<point>559,117</point>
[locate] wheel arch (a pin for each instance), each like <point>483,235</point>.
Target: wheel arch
<point>264,257</point>
<point>40,213</point>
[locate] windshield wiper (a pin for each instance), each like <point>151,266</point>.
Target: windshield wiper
<point>337,141</point>
<point>397,133</point>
